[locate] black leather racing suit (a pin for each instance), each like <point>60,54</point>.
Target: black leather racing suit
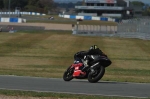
<point>79,56</point>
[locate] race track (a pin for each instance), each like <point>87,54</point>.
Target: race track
<point>75,86</point>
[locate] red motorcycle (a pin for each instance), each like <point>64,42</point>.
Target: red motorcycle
<point>94,72</point>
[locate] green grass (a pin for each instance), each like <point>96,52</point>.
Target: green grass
<point>49,53</point>
<point>47,95</point>
<point>35,54</point>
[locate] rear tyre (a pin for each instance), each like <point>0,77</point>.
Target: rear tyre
<point>97,75</point>
<point>68,74</point>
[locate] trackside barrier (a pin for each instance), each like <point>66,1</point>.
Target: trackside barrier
<point>94,29</point>
<point>23,13</point>
<point>16,20</point>
<point>89,18</point>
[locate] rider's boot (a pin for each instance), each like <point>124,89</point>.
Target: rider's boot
<point>85,65</point>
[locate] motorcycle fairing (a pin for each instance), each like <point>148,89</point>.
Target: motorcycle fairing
<point>77,70</point>
<point>104,61</point>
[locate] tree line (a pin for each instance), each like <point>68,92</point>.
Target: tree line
<point>145,7</point>
<point>42,6</point>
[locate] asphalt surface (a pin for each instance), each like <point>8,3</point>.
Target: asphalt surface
<point>141,90</point>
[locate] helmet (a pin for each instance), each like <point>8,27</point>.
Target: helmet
<point>93,47</point>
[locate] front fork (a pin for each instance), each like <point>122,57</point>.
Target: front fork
<point>94,67</point>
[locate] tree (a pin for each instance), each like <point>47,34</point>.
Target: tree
<point>14,4</point>
<point>18,3</point>
<point>32,2</point>
<point>6,4</point>
<point>48,5</point>
<point>146,12</point>
<point>138,3</point>
<point>42,6</point>
<point>1,4</point>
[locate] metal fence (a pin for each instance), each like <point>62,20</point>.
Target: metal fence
<point>94,29</point>
<point>133,28</point>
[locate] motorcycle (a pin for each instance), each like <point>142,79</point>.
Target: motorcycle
<point>94,72</point>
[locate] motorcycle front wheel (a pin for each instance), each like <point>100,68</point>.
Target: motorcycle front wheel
<point>95,76</point>
<point>68,74</point>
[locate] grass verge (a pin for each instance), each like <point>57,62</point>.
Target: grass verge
<point>46,95</point>
<point>49,53</point>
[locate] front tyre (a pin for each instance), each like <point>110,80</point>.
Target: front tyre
<point>95,76</point>
<point>68,74</point>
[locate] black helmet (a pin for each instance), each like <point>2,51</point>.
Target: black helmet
<point>93,47</point>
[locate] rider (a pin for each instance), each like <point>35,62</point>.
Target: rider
<point>83,55</point>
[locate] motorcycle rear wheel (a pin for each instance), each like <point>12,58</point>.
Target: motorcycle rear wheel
<point>68,74</point>
<point>97,75</point>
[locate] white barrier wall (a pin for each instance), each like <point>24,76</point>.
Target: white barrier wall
<point>4,19</point>
<point>25,13</point>
<point>91,18</point>
<point>16,20</point>
<point>95,18</point>
<point>79,17</point>
<point>20,20</point>
<point>66,16</point>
